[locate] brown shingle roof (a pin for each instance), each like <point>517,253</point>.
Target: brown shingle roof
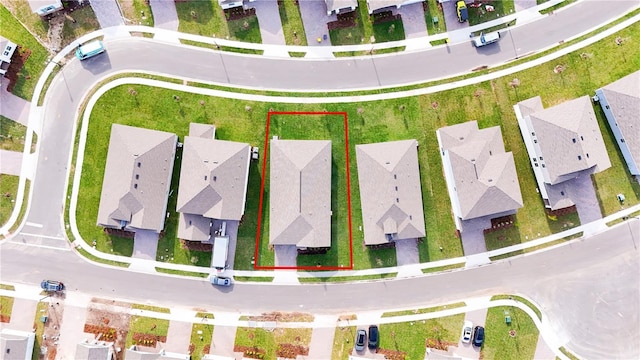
<point>481,176</point>
<point>137,178</point>
<point>390,192</point>
<point>300,193</point>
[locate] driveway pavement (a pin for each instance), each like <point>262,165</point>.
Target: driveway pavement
<point>269,20</point>
<point>468,351</point>
<point>232,232</point>
<point>583,193</point>
<point>451,16</point>
<point>524,4</point>
<point>286,255</point>
<point>407,252</point>
<point>145,245</point>
<point>473,236</point>
<point>13,107</point>
<point>72,331</point>
<point>107,12</point>
<point>178,337</point>
<point>224,337</point>
<point>543,352</point>
<point>321,343</point>
<point>10,162</point>
<point>413,20</point>
<point>22,315</point>
<point>315,19</point>
<point>165,15</point>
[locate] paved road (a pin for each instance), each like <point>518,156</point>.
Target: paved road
<point>592,302</point>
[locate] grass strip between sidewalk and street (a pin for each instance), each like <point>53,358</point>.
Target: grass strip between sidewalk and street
<point>423,310</point>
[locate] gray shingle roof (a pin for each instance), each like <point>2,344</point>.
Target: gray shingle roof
<point>374,5</point>
<point>483,175</point>
<point>623,97</point>
<point>333,5</point>
<point>16,345</point>
<point>390,192</point>
<point>137,178</point>
<point>300,193</point>
<point>568,139</point>
<point>206,131</point>
<point>94,350</point>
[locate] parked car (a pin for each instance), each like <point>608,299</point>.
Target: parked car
<point>467,331</point>
<point>361,339</point>
<point>478,336</point>
<point>461,9</point>
<point>51,285</point>
<point>220,280</point>
<point>374,335</point>
<point>485,39</point>
<point>90,49</point>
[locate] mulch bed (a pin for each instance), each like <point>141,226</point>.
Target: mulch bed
<point>5,319</point>
<point>290,351</point>
<point>149,340</point>
<point>18,59</point>
<point>500,223</point>
<point>252,352</point>
<point>439,344</point>
<point>105,332</point>
<point>206,349</point>
<point>392,354</point>
<point>385,16</point>
<point>238,13</point>
<point>195,245</point>
<point>120,233</point>
<point>388,245</point>
<point>345,20</point>
<point>560,212</point>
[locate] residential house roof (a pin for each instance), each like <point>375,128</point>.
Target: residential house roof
<point>335,5</point>
<point>94,350</point>
<point>374,5</point>
<point>483,175</point>
<point>37,6</point>
<point>390,191</point>
<point>16,345</point>
<point>623,98</point>
<point>568,139</point>
<point>300,193</point>
<point>137,178</point>
<point>135,353</point>
<point>7,48</point>
<point>206,131</point>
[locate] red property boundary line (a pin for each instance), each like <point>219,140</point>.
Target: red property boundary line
<point>264,167</point>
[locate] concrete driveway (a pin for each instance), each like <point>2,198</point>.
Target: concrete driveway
<point>451,16</point>
<point>223,340</point>
<point>107,12</point>
<point>13,107</point>
<point>145,245</point>
<point>22,315</point>
<point>165,15</point>
<point>178,337</point>
<point>10,162</point>
<point>468,351</point>
<point>269,20</point>
<point>72,328</point>
<point>413,20</point>
<point>315,19</point>
<point>232,232</point>
<point>583,194</point>
<point>286,255</point>
<point>407,252</point>
<point>473,236</point>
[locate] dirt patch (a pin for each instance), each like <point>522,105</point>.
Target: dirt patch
<point>439,344</point>
<point>290,351</point>
<point>52,317</point>
<point>111,319</point>
<point>195,245</point>
<point>5,318</point>
<point>148,340</point>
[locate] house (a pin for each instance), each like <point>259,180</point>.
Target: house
<point>213,182</point>
<point>390,192</point>
<point>340,6</point>
<point>481,177</point>
<point>137,179</point>
<point>7,49</point>
<point>563,142</point>
<point>136,353</point>
<point>381,5</point>
<point>231,4</point>
<point>300,193</point>
<point>16,345</point>
<point>45,7</point>
<point>620,102</point>
<point>94,350</point>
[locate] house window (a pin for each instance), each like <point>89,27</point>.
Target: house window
<point>536,164</point>
<point>397,200</point>
<point>581,138</point>
<point>205,178</point>
<point>607,107</point>
<point>535,141</point>
<point>543,165</point>
<point>579,157</point>
<point>395,177</point>
<point>396,188</point>
<point>410,217</point>
<point>533,134</point>
<point>137,176</point>
<point>135,186</point>
<point>215,178</point>
<point>490,153</point>
<point>587,155</point>
<point>562,193</point>
<point>541,158</point>
<point>574,140</point>
<point>139,164</point>
<point>621,140</point>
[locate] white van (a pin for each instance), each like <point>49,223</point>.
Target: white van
<point>89,49</point>
<point>485,39</point>
<point>220,253</point>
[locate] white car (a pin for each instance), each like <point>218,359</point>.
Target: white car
<point>467,330</point>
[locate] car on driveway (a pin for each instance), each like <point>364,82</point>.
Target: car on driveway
<point>374,335</point>
<point>51,285</point>
<point>478,336</point>
<point>220,281</point>
<point>467,332</point>
<point>361,339</point>
<point>461,9</point>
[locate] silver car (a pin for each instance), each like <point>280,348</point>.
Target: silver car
<point>467,330</point>
<point>361,339</point>
<point>220,281</point>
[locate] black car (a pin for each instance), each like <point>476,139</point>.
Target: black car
<point>478,336</point>
<point>373,337</point>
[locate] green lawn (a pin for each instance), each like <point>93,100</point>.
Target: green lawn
<point>201,335</point>
<point>479,15</point>
<point>410,338</point>
<point>6,305</point>
<point>247,30</point>
<point>517,341</point>
<point>42,309</point>
<point>146,325</point>
<point>268,342</point>
<point>9,191</point>
<point>365,32</point>
<point>12,134</point>
<point>343,342</point>
<point>292,26</point>
<point>203,17</point>
<point>14,31</point>
<point>389,31</point>
<point>85,22</point>
<point>138,12</point>
<point>434,9</point>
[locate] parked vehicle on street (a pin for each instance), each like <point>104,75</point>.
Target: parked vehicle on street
<point>467,331</point>
<point>461,9</point>
<point>52,286</point>
<point>220,280</point>
<point>485,39</point>
<point>361,339</point>
<point>89,49</point>
<point>374,335</point>
<point>478,336</point>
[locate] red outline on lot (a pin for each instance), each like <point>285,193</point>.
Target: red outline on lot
<point>264,167</point>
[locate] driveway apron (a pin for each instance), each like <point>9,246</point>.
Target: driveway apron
<point>524,4</point>
<point>10,162</point>
<point>315,19</point>
<point>413,20</point>
<point>223,340</point>
<point>321,343</point>
<point>13,107</point>
<point>107,12</point>
<point>178,337</point>
<point>165,15</point>
<point>269,20</point>
<point>407,252</point>
<point>145,245</point>
<point>72,330</point>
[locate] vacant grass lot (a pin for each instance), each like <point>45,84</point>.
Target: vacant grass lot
<point>14,31</point>
<point>9,191</point>
<point>366,32</point>
<point>411,337</point>
<point>269,341</point>
<point>479,15</point>
<point>85,22</point>
<point>515,341</point>
<point>292,26</point>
